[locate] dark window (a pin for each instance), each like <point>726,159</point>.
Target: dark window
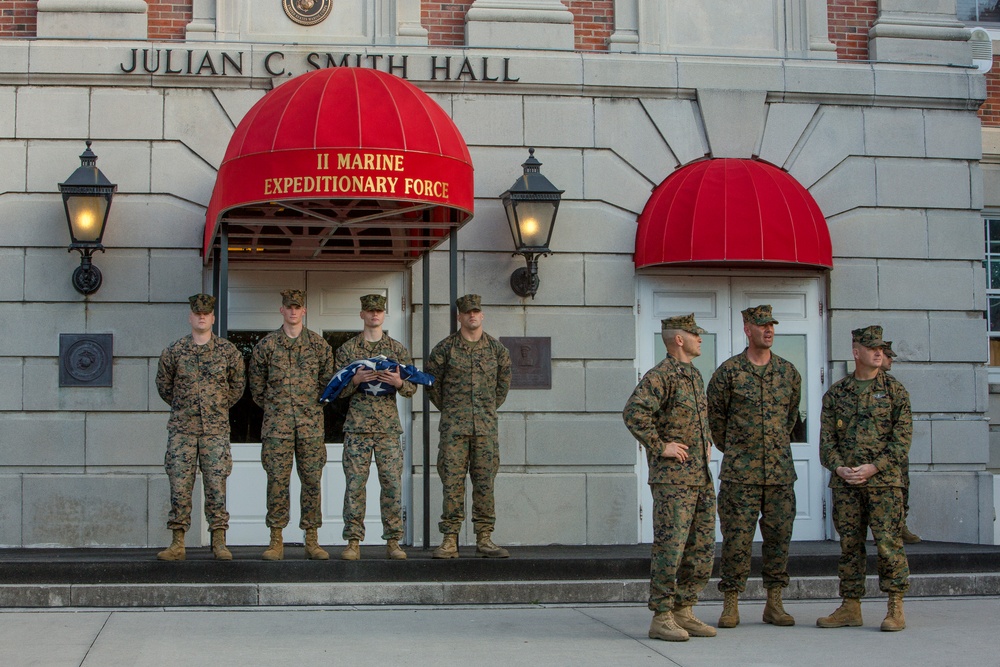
<point>245,418</point>
<point>978,11</point>
<point>992,264</point>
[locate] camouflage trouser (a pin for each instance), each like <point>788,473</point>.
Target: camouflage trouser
<point>739,507</point>
<point>854,510</point>
<point>310,457</point>
<point>683,544</point>
<point>185,454</point>
<point>478,456</point>
<point>358,449</point>
<point>906,491</point>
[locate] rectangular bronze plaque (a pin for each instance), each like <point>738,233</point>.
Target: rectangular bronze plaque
<point>530,361</point>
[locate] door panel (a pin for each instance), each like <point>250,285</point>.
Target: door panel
<point>717,303</point>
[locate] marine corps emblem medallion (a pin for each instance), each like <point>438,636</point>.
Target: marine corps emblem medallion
<point>307,12</point>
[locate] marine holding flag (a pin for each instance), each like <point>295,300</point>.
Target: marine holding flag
<point>373,427</point>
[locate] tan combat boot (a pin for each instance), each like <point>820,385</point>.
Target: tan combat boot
<point>665,627</point>
<point>730,617</point>
<point>313,550</point>
<point>774,610</point>
<point>908,536</point>
<point>894,619</point>
<point>394,551</point>
<point>486,549</point>
<point>176,549</point>
<point>276,550</point>
<point>848,614</point>
<point>684,617</point>
<point>448,548</point>
<point>352,551</point>
<point>219,545</point>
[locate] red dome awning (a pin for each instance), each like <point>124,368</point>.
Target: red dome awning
<point>342,163</point>
<point>734,212</point>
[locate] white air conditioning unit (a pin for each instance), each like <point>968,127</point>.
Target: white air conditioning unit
<point>981,42</point>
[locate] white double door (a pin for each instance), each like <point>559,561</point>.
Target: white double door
<point>797,304</point>
<point>332,304</point>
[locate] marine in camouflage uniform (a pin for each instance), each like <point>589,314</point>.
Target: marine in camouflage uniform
<point>201,376</point>
<point>372,427</point>
<point>865,440</point>
<point>668,414</point>
<point>472,378</point>
<point>909,537</point>
<point>287,377</point>
<point>752,409</point>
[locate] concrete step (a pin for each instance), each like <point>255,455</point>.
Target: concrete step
<point>549,574</point>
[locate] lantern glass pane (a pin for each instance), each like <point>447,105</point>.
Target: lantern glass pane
<point>86,216</point>
<point>511,210</point>
<point>535,221</point>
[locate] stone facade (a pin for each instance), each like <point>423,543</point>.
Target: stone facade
<point>890,152</point>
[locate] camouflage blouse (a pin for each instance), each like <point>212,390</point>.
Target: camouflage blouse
<point>752,412</point>
<point>471,383</point>
<point>373,414</point>
<point>669,405</point>
<point>200,383</point>
<point>871,425</point>
<point>287,377</point>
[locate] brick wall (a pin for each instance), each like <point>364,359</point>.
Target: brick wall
<point>167,20</point>
<point>849,21</point>
<point>17,19</point>
<point>593,22</point>
<point>445,22</point>
<point>989,112</point>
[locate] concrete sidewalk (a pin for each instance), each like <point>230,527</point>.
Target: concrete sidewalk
<point>940,632</point>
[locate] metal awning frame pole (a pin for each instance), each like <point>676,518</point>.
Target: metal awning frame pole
<point>222,295</point>
<point>426,422</point>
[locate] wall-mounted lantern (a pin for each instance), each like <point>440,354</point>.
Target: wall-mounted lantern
<point>87,195</point>
<point>531,205</point>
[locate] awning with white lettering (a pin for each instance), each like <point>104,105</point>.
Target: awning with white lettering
<point>344,164</point>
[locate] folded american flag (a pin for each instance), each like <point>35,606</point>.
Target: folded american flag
<point>379,363</point>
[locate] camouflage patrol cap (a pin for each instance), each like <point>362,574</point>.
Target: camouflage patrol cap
<point>373,302</point>
<point>888,349</point>
<point>469,302</point>
<point>202,304</point>
<point>293,297</point>
<point>759,315</point>
<point>682,322</point>
<point>868,336</point>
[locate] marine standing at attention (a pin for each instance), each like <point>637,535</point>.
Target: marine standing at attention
<point>289,370</point>
<point>373,427</point>
<point>201,376</point>
<point>472,378</point>
<point>753,404</point>
<point>668,414</point>
<point>866,429</point>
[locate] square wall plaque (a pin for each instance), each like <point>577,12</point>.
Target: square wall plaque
<point>85,360</point>
<point>530,362</point>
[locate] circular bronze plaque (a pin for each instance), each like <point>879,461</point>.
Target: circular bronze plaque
<point>307,12</point>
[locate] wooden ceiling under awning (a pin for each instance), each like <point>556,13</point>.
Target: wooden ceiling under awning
<point>342,164</point>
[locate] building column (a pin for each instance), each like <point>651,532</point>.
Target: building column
<point>92,19</point>
<point>202,25</point>
<point>533,24</point>
<point>919,31</point>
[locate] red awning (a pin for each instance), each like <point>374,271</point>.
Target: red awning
<point>733,212</point>
<point>341,163</point>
